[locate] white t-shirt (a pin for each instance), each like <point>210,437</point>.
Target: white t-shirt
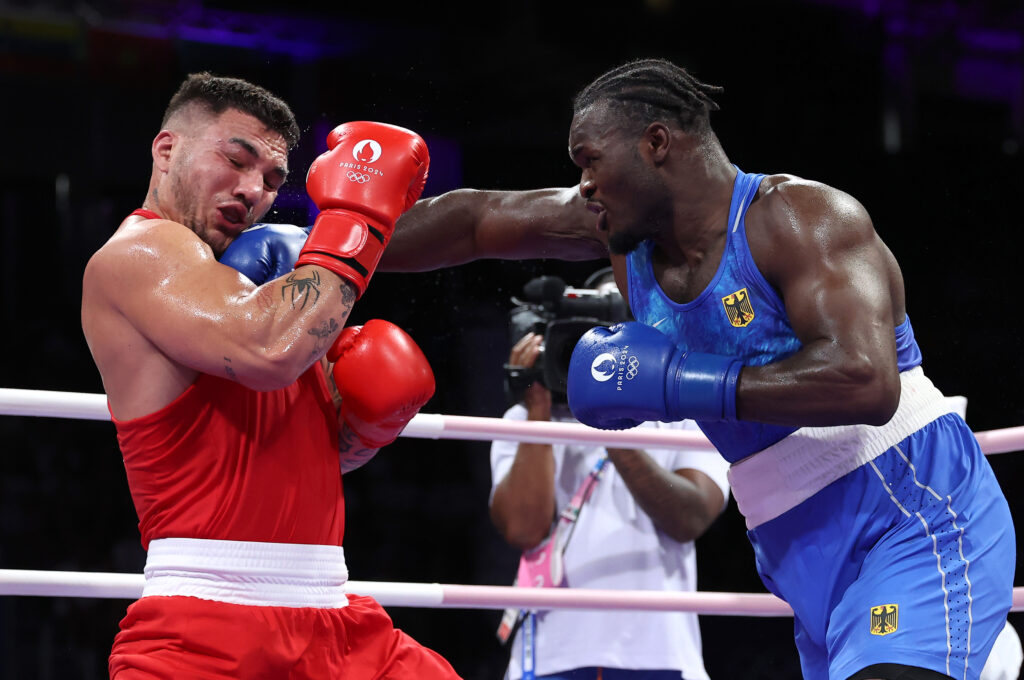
<point>616,546</point>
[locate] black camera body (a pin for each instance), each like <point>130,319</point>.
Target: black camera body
<point>561,314</point>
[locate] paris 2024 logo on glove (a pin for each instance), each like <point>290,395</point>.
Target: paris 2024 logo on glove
<point>366,151</point>
<point>603,368</point>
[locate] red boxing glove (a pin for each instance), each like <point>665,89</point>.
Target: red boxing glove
<point>370,174</point>
<point>383,379</point>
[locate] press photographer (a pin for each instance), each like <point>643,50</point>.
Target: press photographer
<point>632,515</point>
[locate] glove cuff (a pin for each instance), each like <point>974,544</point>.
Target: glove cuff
<point>704,387</point>
<point>345,243</point>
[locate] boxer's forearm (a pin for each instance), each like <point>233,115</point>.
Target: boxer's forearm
<point>291,322</point>
<point>467,224</point>
<point>352,453</point>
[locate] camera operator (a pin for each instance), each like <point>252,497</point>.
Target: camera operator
<point>636,513</point>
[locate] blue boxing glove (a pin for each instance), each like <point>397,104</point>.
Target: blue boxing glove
<point>264,252</point>
<point>629,373</point>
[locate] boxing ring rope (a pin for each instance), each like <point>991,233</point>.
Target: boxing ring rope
<point>438,595</point>
<point>434,595</point>
<point>87,406</point>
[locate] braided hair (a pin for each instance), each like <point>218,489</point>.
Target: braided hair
<point>648,89</point>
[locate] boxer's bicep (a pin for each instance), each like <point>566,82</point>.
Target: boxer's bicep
<point>829,267</point>
<point>207,317</point>
<point>835,285</point>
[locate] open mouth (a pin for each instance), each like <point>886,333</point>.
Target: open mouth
<point>234,214</point>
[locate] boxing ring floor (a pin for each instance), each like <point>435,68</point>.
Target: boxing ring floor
<point>128,586</point>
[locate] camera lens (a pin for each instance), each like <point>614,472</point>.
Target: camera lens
<point>559,342</point>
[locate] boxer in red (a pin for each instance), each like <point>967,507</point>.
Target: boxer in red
<point>233,426</point>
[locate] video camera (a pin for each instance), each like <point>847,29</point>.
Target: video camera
<point>561,314</point>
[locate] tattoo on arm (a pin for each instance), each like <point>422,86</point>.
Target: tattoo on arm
<point>230,371</point>
<point>348,294</point>
<point>352,452</point>
<point>324,336</point>
<point>302,290</point>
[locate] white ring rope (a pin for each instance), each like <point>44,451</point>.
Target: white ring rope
<point>86,406</point>
<point>434,595</point>
<point>438,595</point>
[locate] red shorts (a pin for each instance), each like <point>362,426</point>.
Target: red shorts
<point>186,637</point>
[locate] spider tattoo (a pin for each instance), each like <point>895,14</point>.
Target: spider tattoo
<point>302,289</point>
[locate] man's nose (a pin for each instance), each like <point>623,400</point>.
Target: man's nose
<point>587,186</point>
<point>250,188</point>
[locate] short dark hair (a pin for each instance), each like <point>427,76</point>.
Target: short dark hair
<point>217,94</point>
<point>647,89</point>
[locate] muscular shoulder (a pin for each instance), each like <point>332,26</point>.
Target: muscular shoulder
<point>802,218</point>
<point>141,251</point>
<point>790,205</point>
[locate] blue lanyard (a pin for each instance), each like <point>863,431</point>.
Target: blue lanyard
<point>529,634</point>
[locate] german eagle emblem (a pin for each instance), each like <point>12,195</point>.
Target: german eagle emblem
<point>738,308</point>
<point>884,619</point>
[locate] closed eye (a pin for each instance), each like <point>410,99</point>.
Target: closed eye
<point>275,179</point>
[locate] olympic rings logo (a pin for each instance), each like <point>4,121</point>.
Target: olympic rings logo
<point>357,177</point>
<point>633,367</point>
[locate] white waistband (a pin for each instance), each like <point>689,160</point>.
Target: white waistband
<point>770,482</point>
<point>247,572</point>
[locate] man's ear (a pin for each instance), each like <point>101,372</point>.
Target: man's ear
<point>657,140</point>
<point>163,144</point>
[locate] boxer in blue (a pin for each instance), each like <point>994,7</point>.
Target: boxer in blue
<point>768,309</point>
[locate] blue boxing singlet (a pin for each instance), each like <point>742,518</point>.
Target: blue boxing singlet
<point>738,314</point>
<point>864,530</point>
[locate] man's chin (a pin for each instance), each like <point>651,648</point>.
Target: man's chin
<point>621,243</point>
<point>218,242</point>
<point>220,238</point>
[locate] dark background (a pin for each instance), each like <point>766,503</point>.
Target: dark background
<point>915,108</point>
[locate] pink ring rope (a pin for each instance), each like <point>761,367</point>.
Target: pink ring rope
<point>85,406</point>
<point>437,426</point>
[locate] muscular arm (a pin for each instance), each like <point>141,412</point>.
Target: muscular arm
<point>682,504</point>
<point>843,295</point>
<point>467,224</point>
<point>206,317</point>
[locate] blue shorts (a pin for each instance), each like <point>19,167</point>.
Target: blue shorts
<point>908,559</point>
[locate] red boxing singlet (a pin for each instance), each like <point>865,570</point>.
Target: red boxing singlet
<point>144,212</point>
<point>226,462</point>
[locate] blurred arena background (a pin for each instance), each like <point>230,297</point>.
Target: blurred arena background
<point>914,107</point>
